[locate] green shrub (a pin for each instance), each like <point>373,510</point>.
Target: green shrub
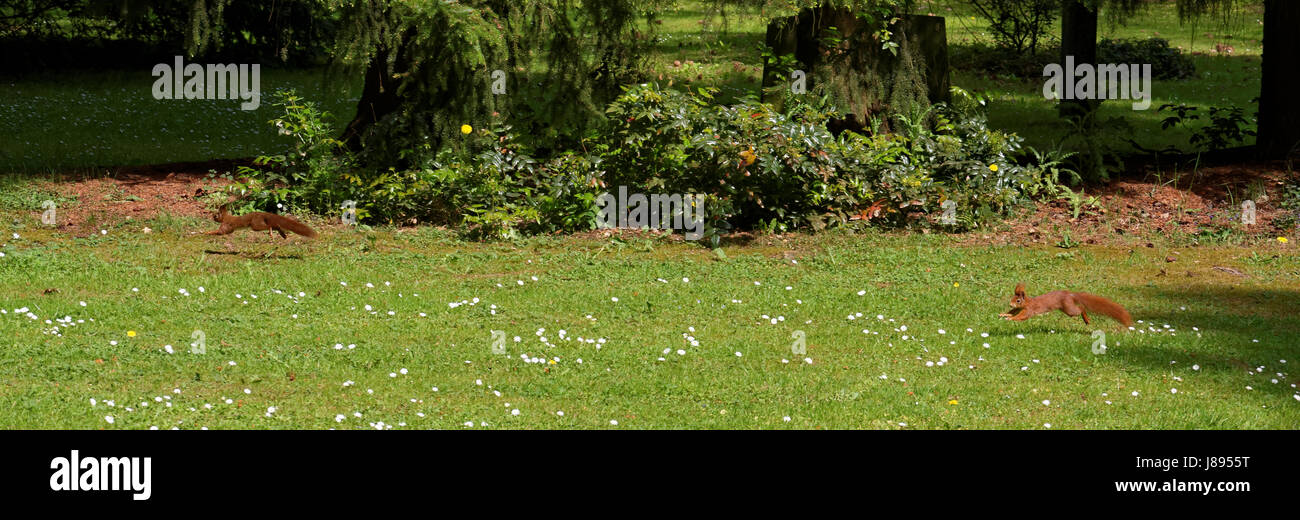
<point>1227,126</point>
<point>1166,62</point>
<point>757,168</point>
<point>314,174</point>
<point>776,171</point>
<point>769,167</point>
<point>503,192</point>
<point>1289,201</point>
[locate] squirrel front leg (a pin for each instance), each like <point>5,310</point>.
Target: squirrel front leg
<point>1023,315</point>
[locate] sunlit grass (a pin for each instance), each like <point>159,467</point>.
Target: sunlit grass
<point>1244,30</point>
<point>661,326</point>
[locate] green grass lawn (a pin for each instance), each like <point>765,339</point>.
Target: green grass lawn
<point>1243,29</point>
<point>77,121</point>
<point>901,332</point>
<point>1019,106</point>
<point>375,328</point>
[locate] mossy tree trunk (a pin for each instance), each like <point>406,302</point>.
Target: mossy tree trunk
<point>842,55</point>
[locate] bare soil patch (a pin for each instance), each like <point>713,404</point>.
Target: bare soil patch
<point>1127,209</point>
<point>140,193</point>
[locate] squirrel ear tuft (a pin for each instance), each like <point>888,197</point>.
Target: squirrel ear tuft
<point>1020,289</point>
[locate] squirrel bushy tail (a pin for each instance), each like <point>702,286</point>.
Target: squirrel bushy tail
<point>1098,304</point>
<point>293,225</point>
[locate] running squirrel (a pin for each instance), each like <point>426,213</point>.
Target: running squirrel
<point>1071,303</point>
<point>258,221</point>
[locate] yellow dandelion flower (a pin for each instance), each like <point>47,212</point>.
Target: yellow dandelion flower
<point>993,167</point>
<point>954,401</point>
<point>1281,239</point>
<point>955,284</point>
<point>466,129</point>
<point>747,157</point>
<point>130,333</point>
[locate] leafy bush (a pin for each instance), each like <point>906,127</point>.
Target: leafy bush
<point>1228,125</point>
<point>1101,145</point>
<point>314,174</point>
<point>998,61</point>
<point>1166,62</point>
<point>777,171</point>
<point>489,183</point>
<point>1290,202</point>
<point>503,192</point>
<point>757,168</point>
<point>768,166</point>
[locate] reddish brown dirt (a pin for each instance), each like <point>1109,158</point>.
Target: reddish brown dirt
<point>1128,209</point>
<point>140,193</point>
<point>1208,201</point>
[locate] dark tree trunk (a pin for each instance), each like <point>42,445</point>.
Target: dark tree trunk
<point>379,95</point>
<point>378,99</point>
<point>1078,39</point>
<point>1279,107</point>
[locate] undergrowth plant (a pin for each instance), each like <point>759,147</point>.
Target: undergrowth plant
<point>755,166</point>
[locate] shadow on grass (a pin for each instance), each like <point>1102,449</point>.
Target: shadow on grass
<point>1234,316</point>
<point>1242,315</point>
<point>256,255</point>
<point>1235,309</point>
